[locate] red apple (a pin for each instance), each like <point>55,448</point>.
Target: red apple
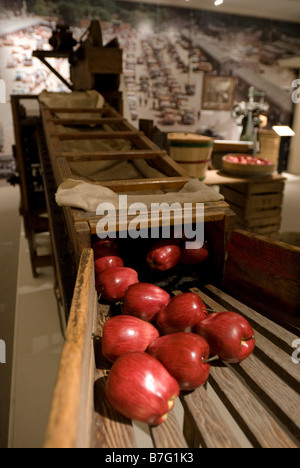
<point>140,388</point>
<point>183,355</point>
<point>110,261</point>
<point>193,256</point>
<point>144,300</point>
<point>164,255</point>
<point>124,333</point>
<point>228,334</point>
<point>108,242</point>
<point>105,248</point>
<point>181,314</point>
<point>112,284</point>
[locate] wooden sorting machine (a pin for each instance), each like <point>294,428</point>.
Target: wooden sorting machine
<point>254,404</point>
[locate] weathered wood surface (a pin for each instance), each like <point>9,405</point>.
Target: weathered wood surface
<point>265,274</point>
<point>252,404</point>
<point>70,422</point>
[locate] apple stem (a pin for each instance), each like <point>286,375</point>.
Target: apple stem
<point>248,339</point>
<point>209,310</point>
<point>213,358</point>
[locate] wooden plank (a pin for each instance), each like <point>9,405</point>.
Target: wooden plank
<point>97,135</point>
<point>273,343</point>
<point>87,121</point>
<point>168,435</point>
<point>64,169</point>
<point>217,177</point>
<point>276,186</point>
<point>264,273</point>
<point>247,217</point>
<point>110,155</point>
<point>211,214</point>
<point>262,202</point>
<point>169,167</point>
<point>144,184</point>
<point>260,427</point>
<point>70,418</point>
<point>80,110</point>
<point>281,399</point>
<point>204,422</point>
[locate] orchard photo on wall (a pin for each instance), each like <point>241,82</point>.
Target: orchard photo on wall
<point>218,93</point>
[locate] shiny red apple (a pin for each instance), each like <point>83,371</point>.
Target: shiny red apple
<point>110,261</point>
<point>181,314</point>
<point>195,255</point>
<point>124,333</point>
<point>144,300</point>
<point>229,335</point>
<point>164,255</point>
<point>112,284</point>
<point>140,388</point>
<point>184,356</point>
<point>105,248</point>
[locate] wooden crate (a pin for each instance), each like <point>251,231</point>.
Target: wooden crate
<point>252,404</point>
<point>266,274</point>
<point>257,204</point>
<point>81,225</point>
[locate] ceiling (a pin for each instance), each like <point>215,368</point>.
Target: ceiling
<point>286,10</point>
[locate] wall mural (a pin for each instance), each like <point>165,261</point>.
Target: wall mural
<point>173,58</point>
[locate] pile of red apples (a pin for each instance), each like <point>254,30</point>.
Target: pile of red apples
<point>160,345</point>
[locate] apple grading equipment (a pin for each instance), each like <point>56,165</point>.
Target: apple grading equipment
<point>252,404</point>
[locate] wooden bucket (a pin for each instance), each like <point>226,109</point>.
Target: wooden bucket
<point>193,152</point>
<point>269,146</point>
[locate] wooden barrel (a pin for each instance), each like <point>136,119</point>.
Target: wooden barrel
<point>269,145</point>
<point>193,152</point>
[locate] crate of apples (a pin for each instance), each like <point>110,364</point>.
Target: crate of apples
<point>158,345</point>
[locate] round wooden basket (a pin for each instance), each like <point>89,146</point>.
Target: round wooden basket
<point>193,152</point>
<point>247,170</point>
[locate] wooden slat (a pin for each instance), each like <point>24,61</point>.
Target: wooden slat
<point>78,122</point>
<point>264,274</point>
<point>111,155</point>
<point>283,400</point>
<point>211,214</point>
<point>80,110</point>
<point>144,184</point>
<point>97,135</point>
<point>273,343</point>
<point>111,429</point>
<point>168,435</point>
<point>205,426</point>
<point>258,425</point>
<point>72,407</point>
<point>269,371</point>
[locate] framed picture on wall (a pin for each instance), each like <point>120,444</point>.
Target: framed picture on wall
<point>218,92</point>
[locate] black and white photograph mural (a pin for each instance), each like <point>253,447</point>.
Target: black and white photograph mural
<point>170,59</point>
